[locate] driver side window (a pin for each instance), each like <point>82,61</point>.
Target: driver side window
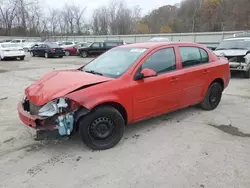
<point>161,61</point>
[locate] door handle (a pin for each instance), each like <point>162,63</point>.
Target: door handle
<point>206,71</point>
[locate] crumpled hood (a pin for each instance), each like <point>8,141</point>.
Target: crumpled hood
<point>230,52</point>
<point>59,83</point>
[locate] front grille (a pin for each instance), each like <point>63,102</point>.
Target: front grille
<point>239,59</point>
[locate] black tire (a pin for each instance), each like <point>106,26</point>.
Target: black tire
<point>60,56</point>
<point>22,58</point>
<point>67,53</point>
<point>246,74</point>
<point>213,97</point>
<point>102,128</point>
<point>84,54</point>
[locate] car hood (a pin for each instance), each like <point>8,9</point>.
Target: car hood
<point>230,52</point>
<point>59,83</point>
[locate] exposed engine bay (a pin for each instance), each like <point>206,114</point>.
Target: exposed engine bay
<point>56,114</point>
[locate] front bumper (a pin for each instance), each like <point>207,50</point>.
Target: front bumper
<point>34,121</point>
<point>26,118</point>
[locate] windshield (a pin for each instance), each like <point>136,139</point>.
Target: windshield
<point>234,44</point>
<point>114,62</point>
<point>10,45</point>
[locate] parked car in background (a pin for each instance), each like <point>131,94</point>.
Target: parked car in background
<point>159,39</point>
<point>26,44</point>
<point>97,48</point>
<point>242,34</point>
<point>35,45</point>
<point>9,50</point>
<point>126,84</point>
<point>5,41</point>
<point>74,49</point>
<point>237,51</point>
<point>65,44</point>
<point>47,50</point>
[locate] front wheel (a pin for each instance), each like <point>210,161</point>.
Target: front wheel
<point>32,54</point>
<point>247,74</point>
<point>22,58</point>
<point>60,56</point>
<point>213,97</point>
<point>102,128</point>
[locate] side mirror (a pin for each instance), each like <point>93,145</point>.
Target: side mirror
<point>145,73</point>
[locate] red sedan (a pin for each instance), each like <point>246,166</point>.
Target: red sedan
<point>73,50</point>
<point>126,84</point>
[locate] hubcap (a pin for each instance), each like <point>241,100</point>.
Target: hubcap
<point>46,55</point>
<point>67,53</point>
<point>102,129</point>
<point>84,54</point>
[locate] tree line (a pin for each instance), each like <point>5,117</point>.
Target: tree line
<point>28,18</point>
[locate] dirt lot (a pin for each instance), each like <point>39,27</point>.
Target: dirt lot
<point>188,148</point>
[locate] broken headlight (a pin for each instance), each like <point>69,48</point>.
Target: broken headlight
<point>54,107</point>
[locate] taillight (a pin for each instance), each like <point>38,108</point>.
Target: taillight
<point>52,50</point>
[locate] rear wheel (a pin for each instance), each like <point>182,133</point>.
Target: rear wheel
<point>22,58</point>
<point>247,74</point>
<point>102,129</point>
<point>60,56</point>
<point>46,55</point>
<point>84,54</point>
<point>213,97</point>
<point>67,53</point>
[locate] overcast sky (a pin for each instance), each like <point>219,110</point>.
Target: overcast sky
<point>146,5</point>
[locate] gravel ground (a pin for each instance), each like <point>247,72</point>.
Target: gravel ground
<point>188,148</point>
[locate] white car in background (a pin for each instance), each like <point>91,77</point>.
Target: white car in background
<point>11,50</point>
<point>237,51</point>
<point>158,39</point>
<point>66,44</point>
<point>26,44</point>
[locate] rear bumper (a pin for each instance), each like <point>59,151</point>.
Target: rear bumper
<point>54,54</point>
<point>13,54</point>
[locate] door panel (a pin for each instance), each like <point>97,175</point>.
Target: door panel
<point>156,95</point>
<point>195,75</point>
<point>160,94</point>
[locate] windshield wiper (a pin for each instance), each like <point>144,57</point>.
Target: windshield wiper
<point>94,72</point>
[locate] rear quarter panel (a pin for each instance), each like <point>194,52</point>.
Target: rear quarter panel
<point>220,69</point>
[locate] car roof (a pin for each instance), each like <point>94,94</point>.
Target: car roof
<point>157,44</point>
<point>238,38</point>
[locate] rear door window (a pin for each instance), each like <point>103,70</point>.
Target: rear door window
<point>192,56</point>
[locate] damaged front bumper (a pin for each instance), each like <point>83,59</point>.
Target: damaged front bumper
<point>63,120</point>
<point>236,66</point>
